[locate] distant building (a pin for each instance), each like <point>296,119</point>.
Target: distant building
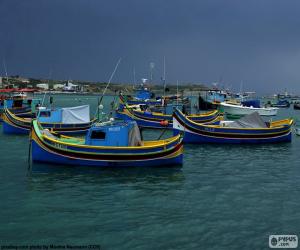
<point>44,86</point>
<point>23,80</point>
<point>69,86</point>
<point>58,86</point>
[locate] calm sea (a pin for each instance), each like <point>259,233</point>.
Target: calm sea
<point>224,197</point>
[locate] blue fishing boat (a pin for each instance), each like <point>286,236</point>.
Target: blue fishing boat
<point>146,119</point>
<point>143,96</point>
<point>249,129</point>
<point>73,120</point>
<point>18,106</point>
<point>281,104</point>
<point>110,144</point>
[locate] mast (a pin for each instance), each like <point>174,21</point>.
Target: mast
<point>152,65</point>
<point>177,94</point>
<point>134,76</point>
<point>164,77</point>
<point>5,69</point>
<point>100,106</point>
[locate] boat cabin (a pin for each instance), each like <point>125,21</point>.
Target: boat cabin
<point>20,103</point>
<point>120,134</point>
<point>72,115</point>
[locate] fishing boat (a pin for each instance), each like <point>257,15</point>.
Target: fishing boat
<point>239,109</point>
<point>142,96</point>
<point>110,144</point>
<point>17,104</point>
<point>146,119</point>
<point>281,104</point>
<point>249,129</point>
<point>297,106</point>
<point>74,120</point>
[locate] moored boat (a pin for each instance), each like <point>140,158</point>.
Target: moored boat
<point>297,106</point>
<point>17,105</point>
<point>237,109</point>
<point>249,129</point>
<point>281,104</point>
<point>105,145</point>
<point>147,119</point>
<point>73,120</point>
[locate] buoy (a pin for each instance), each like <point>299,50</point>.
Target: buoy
<point>164,123</point>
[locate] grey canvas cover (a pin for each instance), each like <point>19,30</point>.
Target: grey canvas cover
<point>76,115</point>
<point>252,120</point>
<point>134,137</point>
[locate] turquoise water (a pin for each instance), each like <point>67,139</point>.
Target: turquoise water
<point>224,197</point>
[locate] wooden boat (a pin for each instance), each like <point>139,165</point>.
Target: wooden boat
<point>281,104</point>
<point>142,96</point>
<point>297,106</point>
<point>147,119</point>
<point>105,145</point>
<point>237,109</point>
<point>19,106</point>
<point>74,120</point>
<point>249,129</point>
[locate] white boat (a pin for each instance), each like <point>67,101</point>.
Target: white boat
<point>297,131</point>
<point>238,109</point>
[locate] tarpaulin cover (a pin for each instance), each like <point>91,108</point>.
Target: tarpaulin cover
<point>134,137</point>
<point>252,120</point>
<point>79,114</point>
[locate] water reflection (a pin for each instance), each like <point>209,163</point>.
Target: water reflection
<point>46,174</point>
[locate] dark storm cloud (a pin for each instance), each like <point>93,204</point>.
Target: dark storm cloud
<point>203,41</point>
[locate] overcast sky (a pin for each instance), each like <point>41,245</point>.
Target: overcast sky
<point>254,41</point>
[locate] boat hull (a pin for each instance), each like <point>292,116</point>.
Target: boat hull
<point>243,110</point>
<point>50,151</point>
<point>148,120</point>
<point>18,125</point>
<point>297,106</point>
<point>198,133</point>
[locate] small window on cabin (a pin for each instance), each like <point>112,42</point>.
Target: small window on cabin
<point>100,135</point>
<point>17,103</point>
<point>45,114</point>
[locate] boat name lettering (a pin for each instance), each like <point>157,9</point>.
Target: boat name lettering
<point>60,146</point>
<point>114,129</point>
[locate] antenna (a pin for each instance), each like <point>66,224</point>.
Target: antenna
<point>152,65</point>
<point>112,75</point>
<point>5,69</point>
<point>134,76</point>
<point>164,77</point>
<point>177,94</point>
<point>241,87</point>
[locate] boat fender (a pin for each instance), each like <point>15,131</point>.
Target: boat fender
<point>164,123</point>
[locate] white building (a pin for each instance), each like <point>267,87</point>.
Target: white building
<point>44,86</point>
<point>58,86</point>
<point>69,86</point>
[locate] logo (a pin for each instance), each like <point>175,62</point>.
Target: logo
<point>283,241</point>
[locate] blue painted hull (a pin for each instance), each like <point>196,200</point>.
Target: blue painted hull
<point>145,120</point>
<point>142,122</point>
<point>12,125</point>
<point>41,155</point>
<point>204,133</point>
<point>136,102</point>
<point>11,129</point>
<point>198,139</point>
